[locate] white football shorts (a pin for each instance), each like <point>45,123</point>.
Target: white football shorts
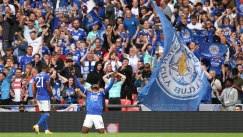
<point>96,119</point>
<point>44,105</point>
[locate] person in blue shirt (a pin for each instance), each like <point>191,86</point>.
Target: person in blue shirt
<point>27,58</point>
<point>69,93</point>
<point>131,24</point>
<point>5,81</point>
<point>76,32</point>
<point>42,93</point>
<point>217,64</point>
<point>94,105</point>
<point>42,5</point>
<point>57,82</point>
<point>1,65</point>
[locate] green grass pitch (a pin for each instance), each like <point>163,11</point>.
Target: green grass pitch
<point>123,135</point>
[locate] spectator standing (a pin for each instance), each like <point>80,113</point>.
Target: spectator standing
<point>127,87</point>
<point>19,88</point>
<point>69,93</point>
<point>229,96</point>
<point>5,81</point>
<point>115,91</point>
<point>131,24</point>
<point>238,84</point>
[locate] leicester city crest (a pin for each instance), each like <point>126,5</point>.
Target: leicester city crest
<point>213,49</point>
<point>179,76</point>
<point>90,18</point>
<point>186,34</point>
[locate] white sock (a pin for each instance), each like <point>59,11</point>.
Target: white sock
<point>46,130</point>
<point>37,125</point>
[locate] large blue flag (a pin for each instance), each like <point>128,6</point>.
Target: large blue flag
<point>101,32</point>
<point>210,49</point>
<point>178,83</point>
<point>202,36</point>
<point>239,6</point>
<point>92,19</point>
<point>186,35</point>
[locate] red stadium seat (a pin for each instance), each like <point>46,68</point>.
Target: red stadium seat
<point>62,101</point>
<point>80,101</point>
<point>133,109</point>
<point>134,98</point>
<point>125,102</point>
<point>106,103</point>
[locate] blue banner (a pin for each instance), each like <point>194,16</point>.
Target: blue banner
<point>101,32</point>
<point>178,83</point>
<point>186,34</point>
<point>239,6</point>
<point>210,49</point>
<point>92,19</point>
<point>202,36</point>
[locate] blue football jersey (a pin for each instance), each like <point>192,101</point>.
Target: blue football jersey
<point>41,86</point>
<point>78,35</point>
<point>24,61</point>
<point>94,99</point>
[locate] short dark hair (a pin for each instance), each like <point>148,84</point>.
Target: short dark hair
<point>144,8</point>
<point>235,71</point>
<point>18,69</point>
<point>126,59</point>
<point>33,32</point>
<point>239,106</point>
<point>44,67</point>
<point>69,60</point>
<point>37,55</point>
<point>193,16</point>
<point>36,68</point>
<point>29,47</point>
<point>4,74</point>
<point>9,48</point>
<point>230,80</point>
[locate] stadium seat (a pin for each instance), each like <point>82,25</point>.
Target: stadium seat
<point>133,109</point>
<point>80,101</point>
<point>62,101</point>
<point>134,98</point>
<point>106,103</point>
<point>125,102</point>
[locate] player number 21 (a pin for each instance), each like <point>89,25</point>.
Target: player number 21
<point>39,82</point>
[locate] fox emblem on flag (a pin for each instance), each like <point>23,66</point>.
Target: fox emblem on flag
<point>214,49</point>
<point>180,80</point>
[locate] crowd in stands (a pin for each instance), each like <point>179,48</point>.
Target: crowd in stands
<point>53,32</point>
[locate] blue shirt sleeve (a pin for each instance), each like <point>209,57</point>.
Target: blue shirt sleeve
<point>109,86</point>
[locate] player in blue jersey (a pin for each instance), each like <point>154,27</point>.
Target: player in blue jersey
<point>42,93</point>
<point>94,106</point>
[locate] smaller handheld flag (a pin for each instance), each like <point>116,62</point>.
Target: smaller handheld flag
<point>210,49</point>
<point>92,19</point>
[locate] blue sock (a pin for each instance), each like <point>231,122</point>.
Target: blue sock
<point>43,119</point>
<point>45,125</point>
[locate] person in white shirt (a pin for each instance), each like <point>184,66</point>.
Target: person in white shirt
<point>194,24</point>
<point>28,28</point>
<point>35,42</point>
<point>135,9</point>
<point>229,96</point>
